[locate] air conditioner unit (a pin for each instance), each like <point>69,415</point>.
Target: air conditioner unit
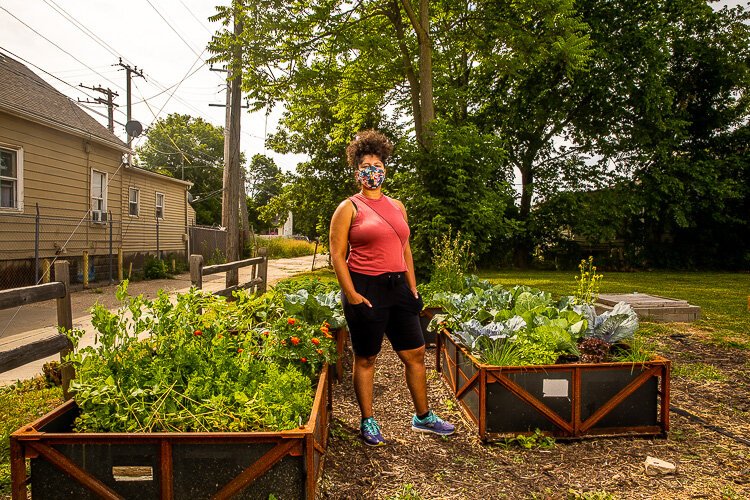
<point>99,216</point>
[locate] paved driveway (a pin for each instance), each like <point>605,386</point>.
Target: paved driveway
<point>22,325</point>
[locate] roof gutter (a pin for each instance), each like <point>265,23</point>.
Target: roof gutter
<point>163,177</point>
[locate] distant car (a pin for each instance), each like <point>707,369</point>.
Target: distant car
<point>300,237</point>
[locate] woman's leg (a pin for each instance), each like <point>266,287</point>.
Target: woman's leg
<point>416,377</point>
<point>363,375</point>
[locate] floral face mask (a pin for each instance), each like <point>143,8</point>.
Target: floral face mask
<point>372,176</point>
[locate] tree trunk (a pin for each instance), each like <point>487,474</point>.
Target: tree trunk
<point>421,24</point>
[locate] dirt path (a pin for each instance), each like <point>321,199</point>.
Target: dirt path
<point>38,320</point>
<point>418,466</point>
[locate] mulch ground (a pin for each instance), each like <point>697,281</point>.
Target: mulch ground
<point>415,465</point>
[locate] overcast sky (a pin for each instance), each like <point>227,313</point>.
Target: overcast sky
<point>164,38</point>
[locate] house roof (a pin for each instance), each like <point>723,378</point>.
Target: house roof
<point>23,93</point>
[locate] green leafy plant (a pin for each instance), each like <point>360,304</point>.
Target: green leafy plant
<point>531,441</point>
<point>200,363</point>
<point>154,268</point>
<point>588,282</point>
<point>451,260</point>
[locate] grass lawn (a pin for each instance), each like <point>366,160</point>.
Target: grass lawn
<point>21,404</point>
<point>722,297</point>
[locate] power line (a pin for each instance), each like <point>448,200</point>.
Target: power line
<point>196,18</point>
<point>60,48</point>
<point>174,30</point>
<point>86,31</point>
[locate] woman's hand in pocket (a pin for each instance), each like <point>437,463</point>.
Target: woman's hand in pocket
<point>358,298</point>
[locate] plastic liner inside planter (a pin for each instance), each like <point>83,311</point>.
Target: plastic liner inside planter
<point>252,465</point>
<point>566,401</point>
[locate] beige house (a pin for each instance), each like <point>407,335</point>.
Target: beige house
<point>66,189</point>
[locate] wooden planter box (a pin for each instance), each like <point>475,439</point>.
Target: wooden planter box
<point>340,334</point>
<point>167,465</point>
<point>566,400</point>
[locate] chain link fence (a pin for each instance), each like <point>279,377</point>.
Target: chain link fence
<point>30,244</point>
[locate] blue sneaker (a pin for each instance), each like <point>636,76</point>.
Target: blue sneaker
<point>432,423</point>
<point>370,431</point>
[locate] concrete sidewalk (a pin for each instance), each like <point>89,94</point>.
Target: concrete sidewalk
<point>24,324</point>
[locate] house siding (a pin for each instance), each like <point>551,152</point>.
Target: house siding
<point>139,233</point>
<point>57,171</point>
<point>57,177</point>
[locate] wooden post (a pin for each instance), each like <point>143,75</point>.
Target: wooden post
<point>263,270</point>
<point>64,320</point>
<point>196,270</point>
<point>46,266</point>
<point>174,266</point>
<point>85,269</point>
<point>119,265</point>
<point>18,471</point>
<point>130,269</point>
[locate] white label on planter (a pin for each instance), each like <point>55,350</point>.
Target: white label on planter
<point>555,388</point>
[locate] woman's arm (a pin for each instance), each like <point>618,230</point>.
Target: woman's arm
<point>411,278</point>
<point>338,243</point>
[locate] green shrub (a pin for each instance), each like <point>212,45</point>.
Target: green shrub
<point>154,269</point>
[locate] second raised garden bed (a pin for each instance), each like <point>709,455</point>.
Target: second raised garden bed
<point>565,400</point>
<point>253,465</point>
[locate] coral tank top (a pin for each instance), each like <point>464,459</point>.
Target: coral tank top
<point>374,246</point>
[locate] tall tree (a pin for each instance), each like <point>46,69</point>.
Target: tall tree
<point>189,148</point>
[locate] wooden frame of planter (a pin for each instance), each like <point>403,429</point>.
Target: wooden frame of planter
<point>170,465</point>
<point>565,401</point>
<point>340,335</point>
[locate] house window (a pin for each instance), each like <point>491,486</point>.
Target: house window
<point>133,203</point>
<point>98,196</point>
<point>11,178</point>
<point>159,205</point>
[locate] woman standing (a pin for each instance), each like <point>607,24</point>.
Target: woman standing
<point>379,289</point>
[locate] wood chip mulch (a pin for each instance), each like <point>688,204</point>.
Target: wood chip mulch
<point>415,465</point>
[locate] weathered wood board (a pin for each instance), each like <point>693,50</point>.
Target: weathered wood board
<point>651,307</point>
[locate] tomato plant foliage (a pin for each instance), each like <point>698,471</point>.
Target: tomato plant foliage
<point>198,363</point>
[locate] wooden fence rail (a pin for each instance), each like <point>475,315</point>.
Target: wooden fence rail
<point>258,276</point>
<point>22,353</point>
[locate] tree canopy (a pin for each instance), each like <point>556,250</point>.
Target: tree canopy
<point>644,98</point>
<point>189,148</point>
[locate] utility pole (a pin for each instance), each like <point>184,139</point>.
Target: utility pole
<point>242,192</point>
<point>108,102</point>
<point>129,72</point>
<point>230,195</point>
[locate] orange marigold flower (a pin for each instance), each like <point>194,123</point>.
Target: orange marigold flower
<point>266,333</point>
<point>304,360</point>
<point>315,341</point>
<point>324,329</point>
<point>197,333</point>
<point>240,350</point>
<point>291,321</point>
<point>329,336</point>
<point>294,340</point>
<point>320,351</point>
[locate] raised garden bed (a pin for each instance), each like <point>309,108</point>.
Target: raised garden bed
<point>167,465</point>
<point>562,400</point>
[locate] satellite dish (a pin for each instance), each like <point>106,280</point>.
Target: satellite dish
<point>134,128</point>
<point>191,198</point>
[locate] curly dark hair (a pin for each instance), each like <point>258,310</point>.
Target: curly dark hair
<point>368,142</point>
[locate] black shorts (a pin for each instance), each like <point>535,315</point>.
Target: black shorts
<point>394,312</point>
